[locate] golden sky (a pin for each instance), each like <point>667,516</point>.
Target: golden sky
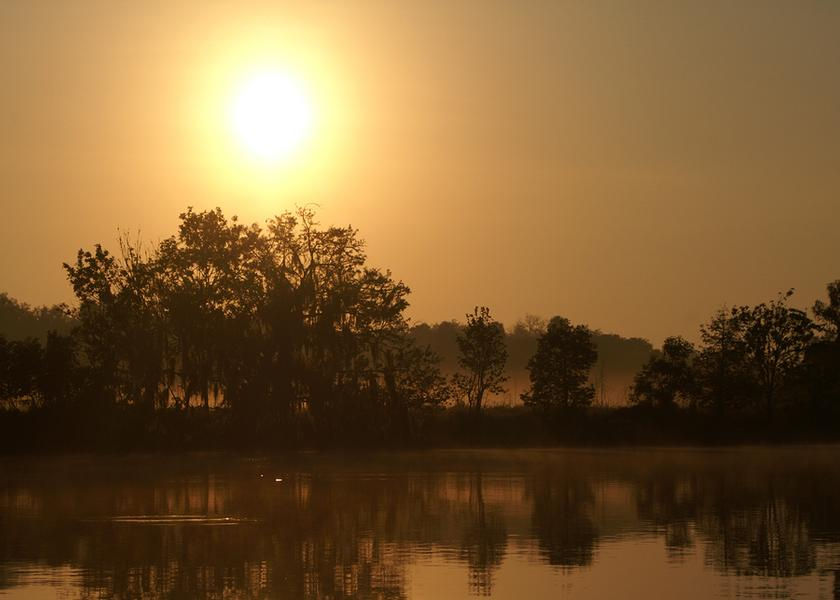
<point>630,165</point>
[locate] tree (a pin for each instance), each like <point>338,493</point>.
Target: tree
<point>97,281</point>
<point>335,316</point>
<point>667,378</point>
<point>532,325</point>
<point>775,339</point>
<point>724,381</point>
<point>819,375</point>
<point>282,326</point>
<point>483,355</point>
<point>828,314</point>
<point>208,296</point>
<point>20,369</point>
<point>57,381</point>
<point>414,386</point>
<point>559,370</point>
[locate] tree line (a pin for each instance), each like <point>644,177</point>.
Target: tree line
<point>752,361</point>
<point>227,333</point>
<point>619,358</point>
<point>285,329</point>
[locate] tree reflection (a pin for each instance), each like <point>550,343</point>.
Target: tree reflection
<point>763,521</point>
<point>670,504</point>
<point>561,520</point>
<point>767,535</point>
<point>483,541</point>
<point>338,530</point>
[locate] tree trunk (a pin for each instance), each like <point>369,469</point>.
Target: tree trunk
<point>478,400</point>
<point>771,403</point>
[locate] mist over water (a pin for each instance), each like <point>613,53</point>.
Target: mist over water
<point>750,522</point>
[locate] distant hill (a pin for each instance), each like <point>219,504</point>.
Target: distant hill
<point>619,358</point>
<point>19,321</point>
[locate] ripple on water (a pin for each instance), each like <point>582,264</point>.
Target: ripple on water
<point>175,520</point>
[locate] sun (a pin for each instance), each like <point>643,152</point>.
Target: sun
<point>271,116</point>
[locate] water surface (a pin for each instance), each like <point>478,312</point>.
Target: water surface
<point>652,523</point>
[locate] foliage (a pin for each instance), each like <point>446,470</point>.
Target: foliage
<point>775,337</point>
<point>724,382</point>
<point>560,367</point>
<point>619,358</point>
<point>283,336</point>
<point>483,355</point>
<point>668,379</point>
<point>277,325</point>
<point>828,314</point>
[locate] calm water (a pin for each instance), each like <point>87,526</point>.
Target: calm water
<point>743,523</point>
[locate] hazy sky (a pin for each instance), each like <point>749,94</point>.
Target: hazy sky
<point>631,165</point>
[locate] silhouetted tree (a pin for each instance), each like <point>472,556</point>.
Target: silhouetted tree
<point>775,338</point>
<point>818,376</point>
<point>667,378</point>
<point>724,379</point>
<point>281,326</point>
<point>828,314</point>
<point>20,373</point>
<point>209,283</point>
<point>483,357</point>
<point>59,370</point>
<point>560,368</point>
<point>284,335</point>
<point>414,384</point>
<point>98,281</point>
<point>619,358</point>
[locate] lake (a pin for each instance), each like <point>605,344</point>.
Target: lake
<point>749,522</point>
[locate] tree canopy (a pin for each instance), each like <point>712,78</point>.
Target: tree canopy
<point>483,355</point>
<point>277,324</point>
<point>285,335</point>
<point>560,368</point>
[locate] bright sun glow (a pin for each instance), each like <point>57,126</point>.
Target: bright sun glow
<point>271,116</point>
